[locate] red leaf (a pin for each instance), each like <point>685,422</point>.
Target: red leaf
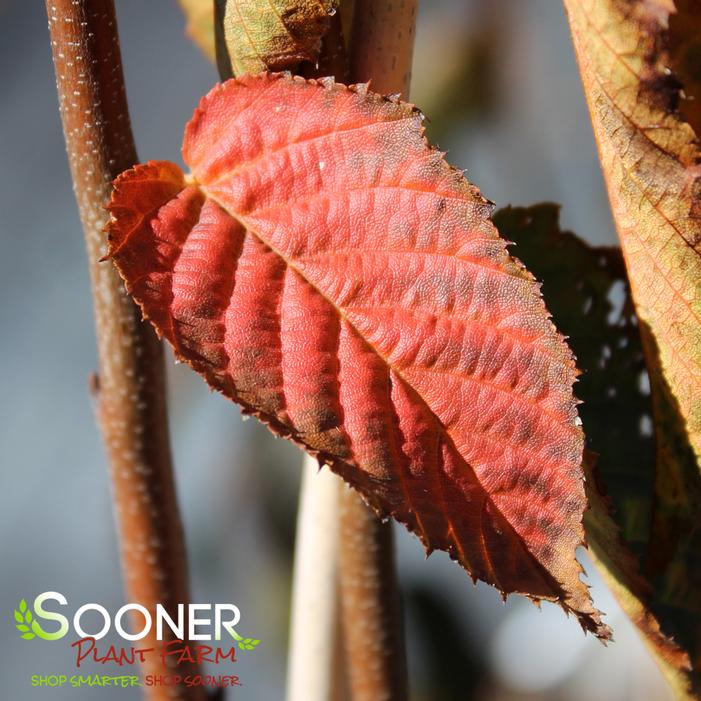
<point>327,270</point>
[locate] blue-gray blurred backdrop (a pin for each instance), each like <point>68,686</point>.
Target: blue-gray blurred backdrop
<point>498,80</point>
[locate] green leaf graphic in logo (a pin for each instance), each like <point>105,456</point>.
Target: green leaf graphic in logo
<point>23,618</point>
<point>245,643</point>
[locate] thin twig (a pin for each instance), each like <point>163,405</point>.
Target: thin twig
<point>130,388</point>
<point>314,671</point>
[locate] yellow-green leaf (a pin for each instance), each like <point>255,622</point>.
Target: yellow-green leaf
<point>258,34</point>
<point>272,34</point>
<point>199,15</point>
<point>650,158</point>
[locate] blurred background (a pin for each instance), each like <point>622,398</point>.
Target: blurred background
<point>498,80</point>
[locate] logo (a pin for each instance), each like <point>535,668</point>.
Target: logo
<point>182,639</point>
<point>23,621</point>
<point>196,622</point>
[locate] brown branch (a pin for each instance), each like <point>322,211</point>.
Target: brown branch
<point>373,636</point>
<point>381,48</point>
<point>371,615</point>
<point>382,44</point>
<point>131,387</point>
<point>373,632</point>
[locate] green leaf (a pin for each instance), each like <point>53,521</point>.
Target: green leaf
<point>22,627</point>
<point>28,636</point>
<point>28,616</point>
<point>18,617</point>
<point>22,605</point>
